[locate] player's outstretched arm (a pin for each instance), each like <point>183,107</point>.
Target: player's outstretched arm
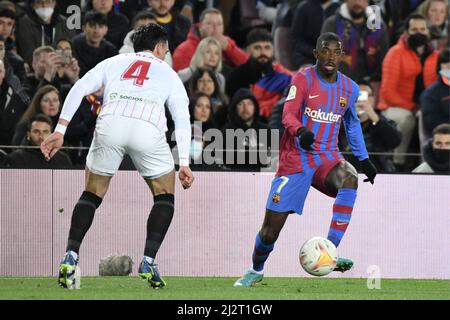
<point>90,83</point>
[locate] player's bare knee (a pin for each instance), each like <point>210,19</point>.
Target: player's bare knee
<point>350,180</point>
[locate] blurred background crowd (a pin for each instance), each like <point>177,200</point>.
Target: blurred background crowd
<point>236,59</point>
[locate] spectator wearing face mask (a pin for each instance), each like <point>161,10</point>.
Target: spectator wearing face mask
<point>435,101</point>
<point>408,69</point>
<point>437,152</point>
<point>396,13</point>
<point>41,27</point>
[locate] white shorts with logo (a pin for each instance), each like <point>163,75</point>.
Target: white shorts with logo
<point>117,135</point>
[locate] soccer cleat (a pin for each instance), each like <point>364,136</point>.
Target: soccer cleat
<point>343,265</point>
<point>150,273</point>
<point>67,268</point>
<point>249,279</point>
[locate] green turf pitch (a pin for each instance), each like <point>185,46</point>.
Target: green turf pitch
<point>190,288</point>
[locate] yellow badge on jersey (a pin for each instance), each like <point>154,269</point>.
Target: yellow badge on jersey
<point>292,93</point>
<point>342,102</point>
<point>276,198</point>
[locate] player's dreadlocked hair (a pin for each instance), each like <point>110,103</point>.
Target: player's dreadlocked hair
<point>147,37</point>
<point>326,37</point>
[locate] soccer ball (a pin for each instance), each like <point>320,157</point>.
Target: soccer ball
<point>318,256</point>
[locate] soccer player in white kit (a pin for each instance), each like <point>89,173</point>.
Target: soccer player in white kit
<point>132,121</point>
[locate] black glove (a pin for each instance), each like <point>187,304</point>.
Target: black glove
<point>306,138</point>
<point>368,168</point>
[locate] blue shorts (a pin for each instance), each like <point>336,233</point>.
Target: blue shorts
<point>288,193</point>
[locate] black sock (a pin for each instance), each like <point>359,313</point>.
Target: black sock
<point>158,223</point>
<point>82,217</point>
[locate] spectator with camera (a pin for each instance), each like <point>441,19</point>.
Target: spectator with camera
<point>42,26</point>
<point>380,134</point>
<point>69,71</point>
<point>53,67</point>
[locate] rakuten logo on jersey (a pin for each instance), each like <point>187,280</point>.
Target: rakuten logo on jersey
<point>320,116</point>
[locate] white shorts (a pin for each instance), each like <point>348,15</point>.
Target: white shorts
<point>116,135</point>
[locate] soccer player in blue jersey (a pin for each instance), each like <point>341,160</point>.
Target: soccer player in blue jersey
<point>319,99</point>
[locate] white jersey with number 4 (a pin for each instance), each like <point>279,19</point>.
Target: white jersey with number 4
<point>138,86</point>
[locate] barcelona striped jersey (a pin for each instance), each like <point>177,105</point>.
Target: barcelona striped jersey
<point>321,107</point>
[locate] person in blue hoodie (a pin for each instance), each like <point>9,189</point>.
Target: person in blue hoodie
<point>435,100</point>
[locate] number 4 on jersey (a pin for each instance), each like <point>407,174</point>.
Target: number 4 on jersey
<point>137,71</point>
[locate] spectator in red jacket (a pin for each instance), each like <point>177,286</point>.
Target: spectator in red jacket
<point>408,68</point>
<point>211,24</point>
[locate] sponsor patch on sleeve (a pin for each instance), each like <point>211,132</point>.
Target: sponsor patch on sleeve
<point>292,93</point>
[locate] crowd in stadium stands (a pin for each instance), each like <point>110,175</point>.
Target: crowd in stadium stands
<point>236,59</point>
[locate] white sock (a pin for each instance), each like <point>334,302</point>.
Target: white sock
<point>149,260</point>
<point>73,254</point>
<point>258,272</point>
